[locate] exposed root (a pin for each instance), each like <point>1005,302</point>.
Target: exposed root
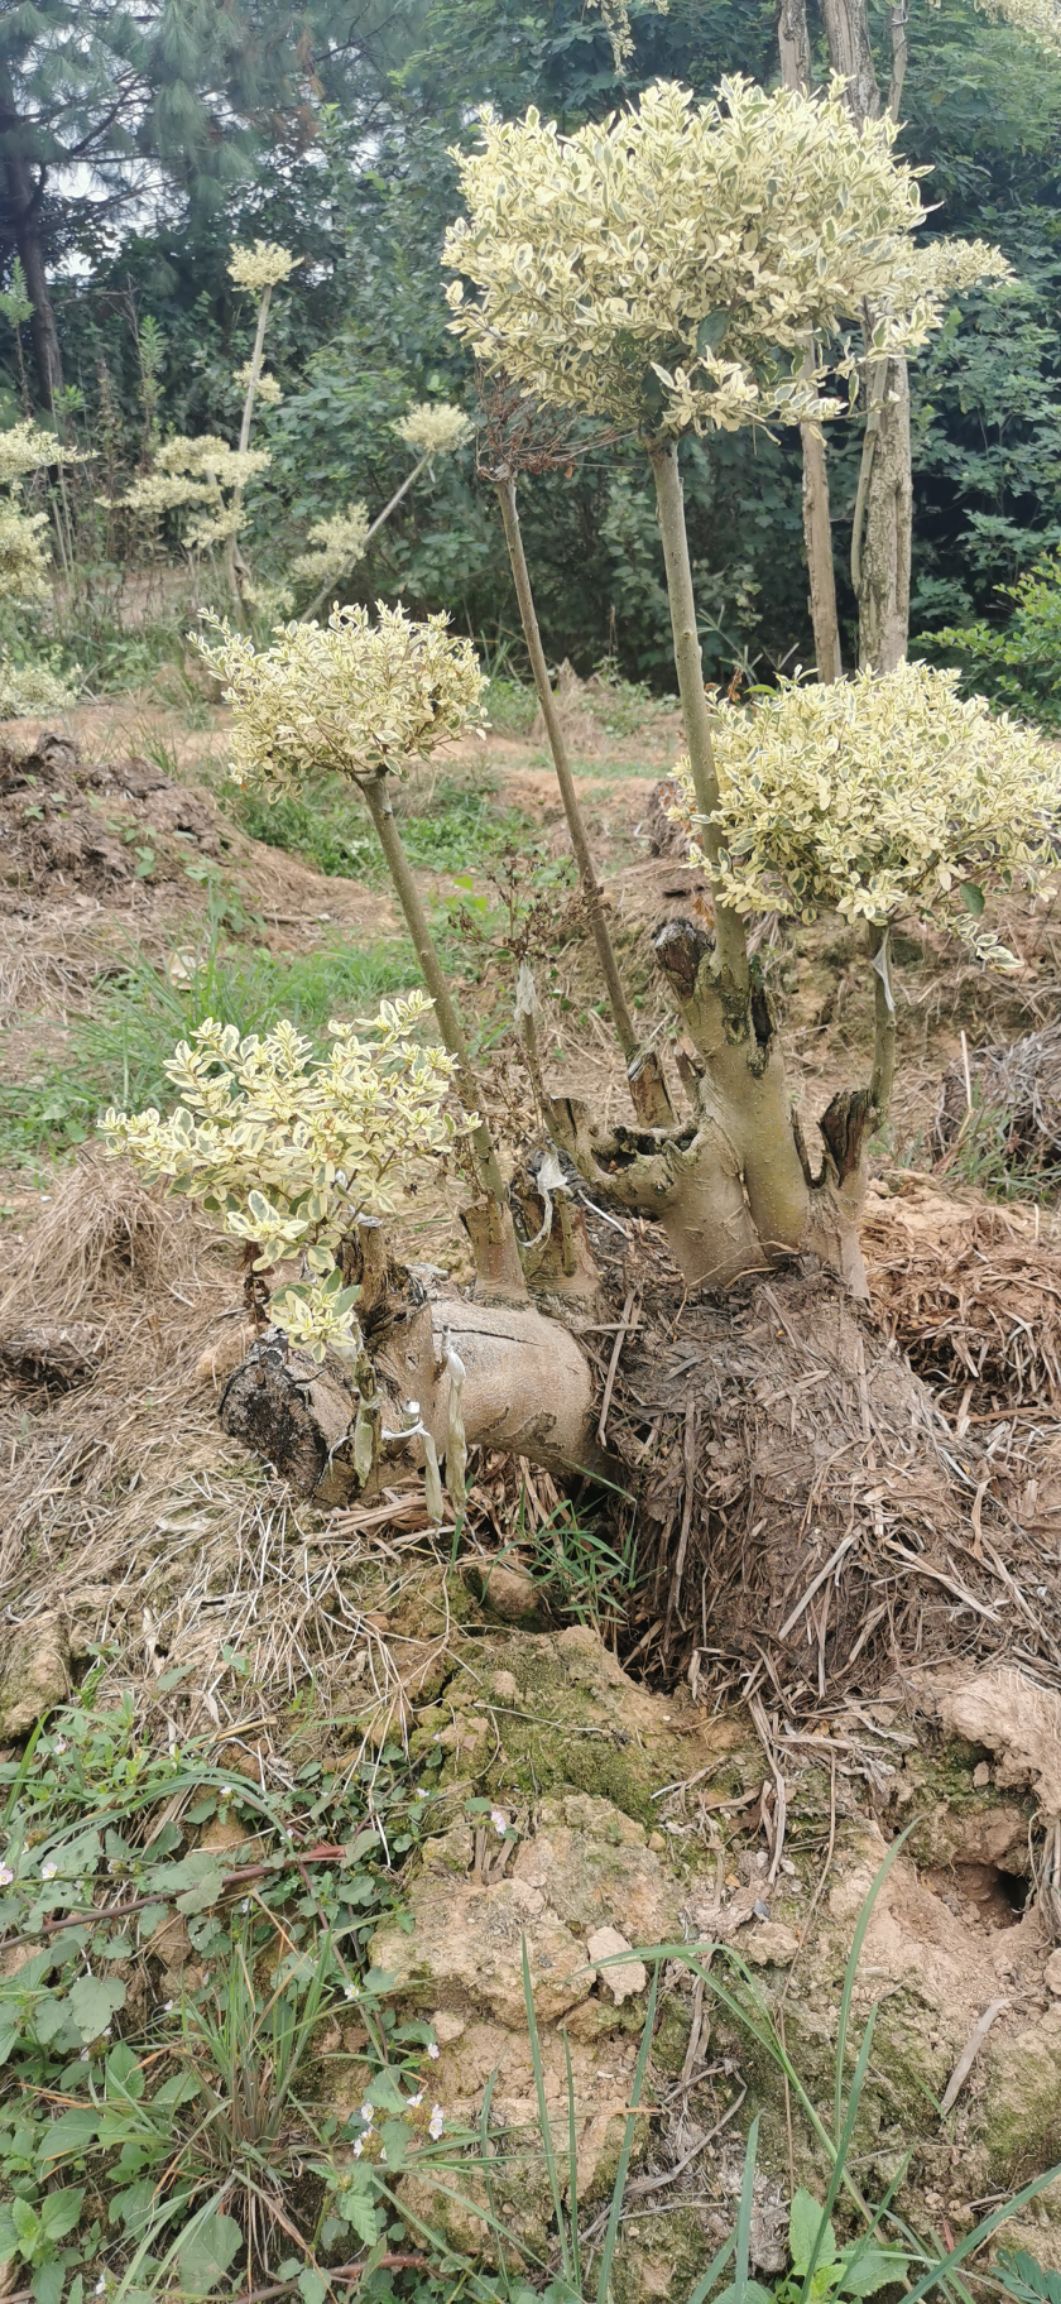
<point>808,1522</point>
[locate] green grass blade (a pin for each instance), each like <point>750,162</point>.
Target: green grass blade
<point>715,2269</point>
<point>975,2239</point>
<point>743,2240</point>
<point>572,2162</point>
<point>615,2210</point>
<point>843,2146</point>
<point>851,1970</point>
<point>548,2148</point>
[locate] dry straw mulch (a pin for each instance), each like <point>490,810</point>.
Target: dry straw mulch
<point>127,1515</point>
<point>971,1292</point>
<point>808,1518</point>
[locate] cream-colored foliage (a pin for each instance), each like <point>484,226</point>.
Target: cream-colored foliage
<point>337,543</point>
<point>434,428</point>
<point>26,448</point>
<point>615,16</point>
<point>201,474</point>
<point>27,690</point>
<point>265,265</point>
<point>354,694</point>
<point>1039,19</point>
<point>290,1149</point>
<point>877,796</point>
<point>266,386</point>
<point>24,566</point>
<point>665,268</point>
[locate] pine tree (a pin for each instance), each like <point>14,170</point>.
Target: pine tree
<point>104,97</point>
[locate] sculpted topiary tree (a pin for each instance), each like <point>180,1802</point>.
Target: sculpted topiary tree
<point>869,799</point>
<point>685,1326</point>
<point>690,268</point>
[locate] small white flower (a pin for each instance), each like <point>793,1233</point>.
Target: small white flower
<point>6,1875</point>
<point>245,1904</point>
<point>101,2285</point>
<point>350,1992</point>
<point>499,1820</point>
<point>422,1795</point>
<point>367,2114</point>
<point>59,1744</point>
<point>226,1792</point>
<point>437,2122</point>
<point>433,2050</point>
<point>417,2099</point>
<point>48,1871</point>
<point>412,1407</point>
<point>359,2146</point>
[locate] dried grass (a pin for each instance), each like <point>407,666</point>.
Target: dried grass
<point>971,1292</point>
<point>1000,1112</point>
<point>128,1513</point>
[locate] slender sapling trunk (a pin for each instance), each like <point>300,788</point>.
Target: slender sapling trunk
<point>392,504</point>
<point>493,1233</point>
<point>233,557</point>
<point>730,938</point>
<point>647,1088</point>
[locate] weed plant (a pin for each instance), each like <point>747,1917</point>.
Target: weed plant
<point>164,2138</point>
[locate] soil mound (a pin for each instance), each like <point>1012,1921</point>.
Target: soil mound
<point>69,823</point>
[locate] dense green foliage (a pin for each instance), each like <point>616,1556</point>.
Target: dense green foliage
<point>337,146</point>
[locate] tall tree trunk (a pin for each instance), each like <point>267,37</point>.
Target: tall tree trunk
<point>24,198</point>
<point>851,53</point>
<point>793,40</point>
<point>881,546</point>
<point>882,536</point>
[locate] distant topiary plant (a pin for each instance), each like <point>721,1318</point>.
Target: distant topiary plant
<point>364,699</point>
<point>25,565</point>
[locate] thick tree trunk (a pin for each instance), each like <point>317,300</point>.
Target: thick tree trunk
<point>732,1192</point>
<point>525,1386</point>
<point>24,206</point>
<point>851,53</point>
<point>881,553</point>
<point>793,40</point>
<point>818,542</point>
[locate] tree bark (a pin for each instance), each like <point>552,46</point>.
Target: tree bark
<point>882,542</point>
<point>851,53</point>
<point>527,1388</point>
<point>24,200</point>
<point>793,40</point>
<point>730,938</point>
<point>882,535</point>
